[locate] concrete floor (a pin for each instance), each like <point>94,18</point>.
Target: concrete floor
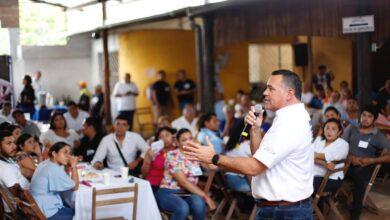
<point>380,195</point>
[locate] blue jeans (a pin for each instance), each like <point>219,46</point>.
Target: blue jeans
<point>63,214</point>
<point>237,183</point>
<point>181,206</point>
<point>298,211</point>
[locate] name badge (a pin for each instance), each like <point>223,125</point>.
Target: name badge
<point>196,171</point>
<point>363,144</point>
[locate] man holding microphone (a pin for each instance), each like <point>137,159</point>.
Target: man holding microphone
<point>282,161</point>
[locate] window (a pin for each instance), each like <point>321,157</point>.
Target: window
<point>265,58</point>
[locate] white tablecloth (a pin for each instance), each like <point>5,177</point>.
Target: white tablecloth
<point>147,206</point>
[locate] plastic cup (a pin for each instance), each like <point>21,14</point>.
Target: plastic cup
<point>106,179</point>
<point>124,172</point>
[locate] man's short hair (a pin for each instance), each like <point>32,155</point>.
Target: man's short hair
<point>94,122</point>
<point>4,134</point>
<point>291,80</point>
<point>162,72</point>
<point>72,103</point>
<point>5,126</point>
<point>122,117</point>
<point>372,110</point>
<point>321,67</point>
<point>17,112</point>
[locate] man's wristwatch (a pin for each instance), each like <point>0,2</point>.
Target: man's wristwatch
<point>215,159</point>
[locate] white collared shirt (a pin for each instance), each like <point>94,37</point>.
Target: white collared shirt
<point>8,117</point>
<point>129,147</point>
<point>10,175</point>
<point>287,153</point>
<point>53,138</point>
<point>337,150</point>
<point>125,102</point>
<point>76,123</point>
<point>182,122</point>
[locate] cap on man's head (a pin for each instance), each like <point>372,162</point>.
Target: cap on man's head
<point>83,84</point>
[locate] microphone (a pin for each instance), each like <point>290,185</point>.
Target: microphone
<point>245,131</point>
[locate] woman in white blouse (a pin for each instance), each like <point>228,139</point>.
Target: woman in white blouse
<point>330,147</point>
<point>58,132</point>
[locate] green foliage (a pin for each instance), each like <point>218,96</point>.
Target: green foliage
<point>41,24</point>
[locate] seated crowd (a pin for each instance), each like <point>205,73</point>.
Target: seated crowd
<point>46,163</point>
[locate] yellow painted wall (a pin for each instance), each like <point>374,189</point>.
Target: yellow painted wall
<point>337,55</point>
<point>169,50</point>
<point>235,75</point>
<point>174,49</point>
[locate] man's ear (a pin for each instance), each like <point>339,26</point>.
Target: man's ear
<point>290,94</point>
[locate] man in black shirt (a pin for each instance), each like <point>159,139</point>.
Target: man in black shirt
<point>91,140</point>
<point>323,77</point>
<point>161,95</point>
<point>97,102</point>
<point>185,89</point>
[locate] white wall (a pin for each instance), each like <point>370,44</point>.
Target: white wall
<point>62,67</point>
<point>97,47</point>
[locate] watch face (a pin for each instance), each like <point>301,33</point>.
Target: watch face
<point>215,159</point>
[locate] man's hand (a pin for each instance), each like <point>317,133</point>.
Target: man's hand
<point>251,119</point>
<point>330,166</point>
<point>356,161</point>
<point>365,161</point>
<point>133,164</point>
<point>196,151</point>
<point>98,165</point>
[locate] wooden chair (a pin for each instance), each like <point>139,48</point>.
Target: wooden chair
<point>206,186</point>
<point>27,204</point>
<point>328,196</point>
<point>145,121</point>
<point>231,196</point>
<point>209,181</point>
<point>368,203</point>
<point>122,200</point>
<point>9,200</point>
